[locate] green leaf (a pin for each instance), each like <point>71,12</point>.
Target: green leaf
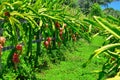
<point>8,4</point>
<point>41,23</point>
<point>53,26</point>
<point>109,27</point>
<point>91,22</point>
<point>113,18</point>
<point>31,20</point>
<point>15,13</point>
<point>113,54</point>
<point>43,15</point>
<point>17,4</point>
<point>100,50</point>
<point>13,22</point>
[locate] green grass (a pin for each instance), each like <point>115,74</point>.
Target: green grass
<point>71,68</point>
<point>76,55</point>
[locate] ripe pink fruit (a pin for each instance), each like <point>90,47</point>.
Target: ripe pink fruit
<point>15,58</point>
<point>49,39</point>
<point>2,40</point>
<point>19,47</point>
<point>46,44</point>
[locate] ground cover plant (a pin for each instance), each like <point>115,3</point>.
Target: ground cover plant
<point>72,69</point>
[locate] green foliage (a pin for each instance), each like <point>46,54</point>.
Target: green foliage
<point>72,3</point>
<point>85,5</point>
<point>112,12</point>
<point>25,21</point>
<point>111,26</point>
<point>53,24</point>
<point>96,10</point>
<point>76,55</point>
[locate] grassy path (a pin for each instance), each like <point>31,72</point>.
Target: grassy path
<point>71,69</point>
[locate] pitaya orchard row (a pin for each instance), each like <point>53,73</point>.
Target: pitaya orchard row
<point>47,22</point>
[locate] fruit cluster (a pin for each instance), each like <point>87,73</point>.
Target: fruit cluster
<point>2,42</point>
<point>15,57</point>
<point>47,42</point>
<point>58,26</point>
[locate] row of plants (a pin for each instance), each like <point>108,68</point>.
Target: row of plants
<point>110,27</point>
<point>38,29</point>
<point>48,23</point>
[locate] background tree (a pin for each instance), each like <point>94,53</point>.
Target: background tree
<point>111,11</point>
<point>86,4</point>
<point>96,10</point>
